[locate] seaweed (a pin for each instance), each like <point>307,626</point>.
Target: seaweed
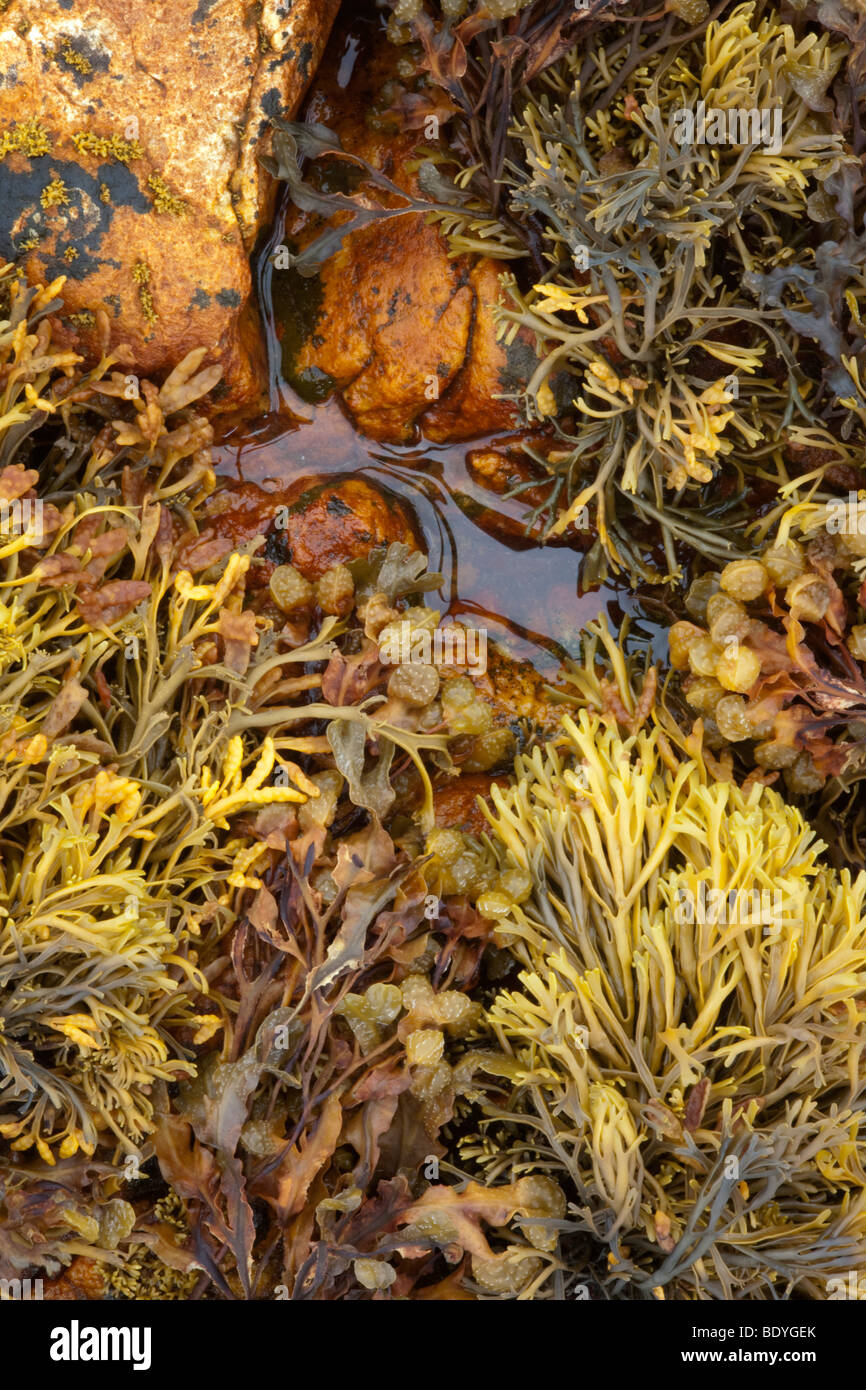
<point>685,1012</point>
<point>694,299</point>
<point>293,143</point>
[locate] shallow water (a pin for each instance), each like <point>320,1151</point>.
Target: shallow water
<point>526,595</point>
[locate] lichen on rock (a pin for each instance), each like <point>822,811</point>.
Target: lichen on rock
<point>118,119</point>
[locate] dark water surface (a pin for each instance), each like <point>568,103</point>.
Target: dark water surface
<point>528,596</point>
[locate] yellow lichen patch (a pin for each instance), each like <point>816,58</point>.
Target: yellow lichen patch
<point>27,137</point>
<point>68,55</point>
<point>54,194</point>
<point>107,146</point>
<point>163,198</point>
<point>141,276</point>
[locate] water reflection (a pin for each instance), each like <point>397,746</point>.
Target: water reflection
<point>527,595</point>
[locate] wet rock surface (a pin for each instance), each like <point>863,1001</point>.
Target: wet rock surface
<point>405,330</point>
<point>312,524</point>
<point>130,136</point>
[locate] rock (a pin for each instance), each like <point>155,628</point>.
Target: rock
<point>130,134</point>
<point>330,523</point>
<point>84,1280</point>
<point>469,407</point>
<point>456,802</point>
<point>312,524</point>
<point>406,331</point>
<point>516,691</point>
<point>395,325</point>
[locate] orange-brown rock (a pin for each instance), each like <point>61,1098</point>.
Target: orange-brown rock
<point>469,407</point>
<point>406,331</point>
<point>455,803</point>
<point>331,523</point>
<point>83,1280</point>
<point>311,525</point>
<point>396,319</point>
<point>515,690</point>
<point>130,132</point>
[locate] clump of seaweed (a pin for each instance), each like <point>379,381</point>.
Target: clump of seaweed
<point>693,288</point>
<point>130,710</point>
<point>774,651</point>
<point>181,901</point>
<point>407,15</point>
<point>343,1015</point>
<point>155,1267</point>
<point>688,1012</point>
<point>108,814</point>
<point>72,1219</point>
<point>294,143</point>
<point>671,358</point>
